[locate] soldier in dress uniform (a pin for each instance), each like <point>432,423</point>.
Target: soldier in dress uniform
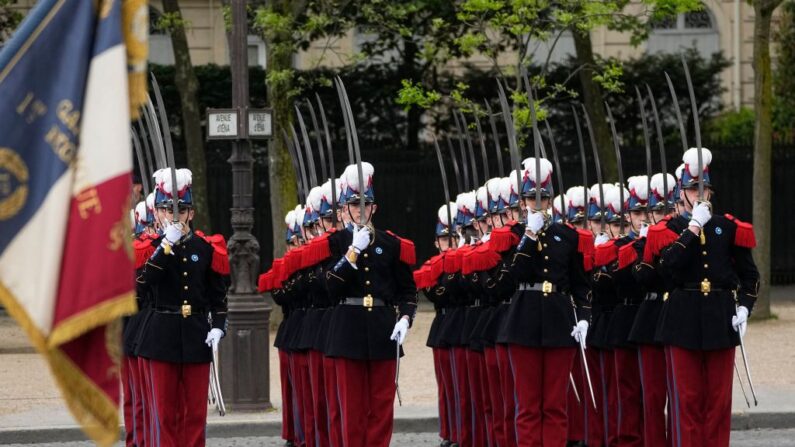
<point>603,299</point>
<point>188,278</point>
<point>576,210</point>
<point>548,314</point>
<point>651,357</point>
<point>630,294</point>
<point>715,284</point>
<point>132,384</point>
<point>504,238</point>
<point>271,281</point>
<point>435,284</point>
<point>452,333</point>
<point>372,282</point>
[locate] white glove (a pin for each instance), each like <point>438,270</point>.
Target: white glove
<point>740,321</point>
<point>400,331</point>
<point>361,238</point>
<point>701,215</point>
<point>644,230</point>
<point>600,239</point>
<point>535,222</point>
<point>214,336</point>
<point>173,233</point>
<point>580,332</point>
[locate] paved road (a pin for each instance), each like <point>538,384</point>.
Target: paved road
<point>750,438</point>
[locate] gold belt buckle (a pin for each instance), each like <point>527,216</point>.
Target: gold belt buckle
<point>186,310</point>
<point>367,302</point>
<point>546,287</point>
<point>706,286</point>
<point>665,296</point>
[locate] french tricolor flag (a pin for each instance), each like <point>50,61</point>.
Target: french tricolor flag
<point>66,272</point>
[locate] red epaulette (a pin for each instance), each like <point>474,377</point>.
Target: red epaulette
<point>586,248</point>
<point>265,282</point>
<point>292,261</point>
<point>502,239</point>
<point>278,273</point>
<point>606,253</point>
<point>744,236</point>
<point>220,263</point>
<point>627,255</point>
<point>481,258</point>
<point>318,250</point>
<point>451,262</point>
<point>407,253</point>
<point>658,237</point>
<point>420,277</point>
<point>143,249</point>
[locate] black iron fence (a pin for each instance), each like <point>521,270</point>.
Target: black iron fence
<point>409,191</point>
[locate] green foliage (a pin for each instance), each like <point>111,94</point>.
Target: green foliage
<point>9,19</point>
<point>171,21</point>
<point>412,94</point>
<point>610,77</point>
<point>783,80</point>
<point>733,127</point>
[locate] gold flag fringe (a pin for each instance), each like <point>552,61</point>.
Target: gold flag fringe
<point>135,24</point>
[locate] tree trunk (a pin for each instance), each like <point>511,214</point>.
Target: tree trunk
<point>282,181</point>
<point>188,85</point>
<point>593,100</point>
<point>763,148</point>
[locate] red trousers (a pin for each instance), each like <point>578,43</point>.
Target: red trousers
<point>651,361</point>
<point>305,397</point>
<point>450,392</point>
<point>479,413</point>
<point>541,377</point>
<point>366,391</point>
<point>317,382</point>
<point>444,420</point>
<point>464,410</point>
<point>495,395</point>
<point>595,420</point>
<point>575,409</point>
<point>609,395</point>
<point>180,393</point>
<point>332,403</point>
<point>148,401</point>
<point>131,403</point>
<point>630,398</point>
<point>508,393</point>
<point>702,385</point>
<point>288,423</point>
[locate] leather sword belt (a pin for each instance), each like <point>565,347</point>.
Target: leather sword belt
<point>180,310</point>
<point>704,287</point>
<point>546,287</point>
<point>367,301</point>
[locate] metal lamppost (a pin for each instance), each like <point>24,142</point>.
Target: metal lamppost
<point>245,369</point>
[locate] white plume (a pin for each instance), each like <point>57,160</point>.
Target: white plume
<point>300,211</point>
<point>184,179</point>
<point>314,198</point>
<point>140,212</point>
<point>530,165</point>
<point>575,196</point>
<point>493,188</point>
<point>150,201</point>
<point>289,219</point>
<point>679,170</point>
<point>639,183</point>
<point>557,203</point>
<point>594,192</point>
<point>352,175</point>
<point>657,183</point>
<point>467,200</point>
<point>442,213</point>
<point>482,196</point>
<point>507,185</point>
<point>613,198</point>
<point>690,158</point>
